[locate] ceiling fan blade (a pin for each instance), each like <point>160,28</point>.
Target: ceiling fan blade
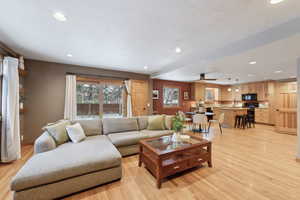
<point>210,79</point>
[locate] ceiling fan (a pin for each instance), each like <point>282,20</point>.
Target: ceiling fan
<point>202,78</point>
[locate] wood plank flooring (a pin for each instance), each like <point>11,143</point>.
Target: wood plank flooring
<point>252,164</point>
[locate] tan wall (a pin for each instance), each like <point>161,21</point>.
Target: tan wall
<point>45,92</point>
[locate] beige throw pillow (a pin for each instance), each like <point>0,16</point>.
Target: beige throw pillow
<point>156,122</point>
<point>168,121</point>
<point>75,132</point>
<point>58,131</point>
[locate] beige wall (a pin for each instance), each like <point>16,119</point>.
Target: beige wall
<point>45,92</point>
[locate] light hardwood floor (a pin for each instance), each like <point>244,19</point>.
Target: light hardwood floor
<point>255,164</point>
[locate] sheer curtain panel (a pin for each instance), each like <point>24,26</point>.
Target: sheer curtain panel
<point>10,135</point>
<point>129,104</point>
<point>70,98</point>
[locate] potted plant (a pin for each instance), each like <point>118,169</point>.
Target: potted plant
<point>177,126</point>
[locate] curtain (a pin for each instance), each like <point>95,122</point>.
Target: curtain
<point>10,134</point>
<point>70,98</point>
<point>129,104</point>
<point>124,100</point>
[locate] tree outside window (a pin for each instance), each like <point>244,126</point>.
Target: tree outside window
<point>94,100</point>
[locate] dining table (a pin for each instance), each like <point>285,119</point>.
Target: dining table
<point>210,116</point>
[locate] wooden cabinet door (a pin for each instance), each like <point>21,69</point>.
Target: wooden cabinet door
<point>225,94</point>
<point>140,97</point>
<point>237,94</point>
<point>286,113</point>
<point>244,89</point>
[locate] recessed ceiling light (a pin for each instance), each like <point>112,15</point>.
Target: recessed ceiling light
<point>69,55</point>
<point>250,75</point>
<point>252,62</point>
<point>145,67</point>
<point>229,89</point>
<point>178,50</point>
<point>275,1</point>
<point>59,16</point>
<point>278,71</point>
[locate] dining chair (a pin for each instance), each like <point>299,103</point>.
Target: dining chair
<point>220,121</point>
<point>187,120</point>
<point>200,121</point>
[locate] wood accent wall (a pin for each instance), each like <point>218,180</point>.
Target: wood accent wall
<point>184,105</point>
<point>140,97</point>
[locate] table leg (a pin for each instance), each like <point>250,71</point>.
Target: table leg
<point>158,173</point>
<point>140,155</point>
<point>158,183</point>
<point>209,162</point>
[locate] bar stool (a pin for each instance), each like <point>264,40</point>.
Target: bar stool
<point>240,121</point>
<point>250,121</point>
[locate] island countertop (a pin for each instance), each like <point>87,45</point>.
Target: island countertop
<point>232,108</point>
<point>229,114</point>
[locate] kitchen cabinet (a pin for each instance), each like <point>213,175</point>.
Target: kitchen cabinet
<point>227,95</point>
<point>237,94</point>
<point>198,91</point>
<point>262,115</point>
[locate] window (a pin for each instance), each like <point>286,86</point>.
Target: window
<point>99,100</point>
<point>211,94</point>
<point>112,100</point>
<point>171,97</point>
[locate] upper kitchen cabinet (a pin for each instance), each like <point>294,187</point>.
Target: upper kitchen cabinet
<point>260,88</point>
<point>198,91</point>
<point>244,88</point>
<point>287,87</point>
<point>227,93</point>
<point>237,93</point>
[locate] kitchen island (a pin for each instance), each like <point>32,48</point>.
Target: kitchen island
<point>229,114</point>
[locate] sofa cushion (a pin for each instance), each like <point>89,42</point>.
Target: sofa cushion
<point>68,160</point>
<point>153,133</point>
<point>126,138</point>
<point>143,122</point>
<point>58,131</point>
<point>90,126</point>
<point>117,125</point>
<point>156,122</point>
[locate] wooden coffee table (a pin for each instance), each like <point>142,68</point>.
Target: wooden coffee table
<point>163,157</point>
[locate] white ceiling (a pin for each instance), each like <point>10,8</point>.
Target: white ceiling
<point>215,36</point>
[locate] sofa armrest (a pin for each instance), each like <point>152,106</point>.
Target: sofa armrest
<point>44,143</point>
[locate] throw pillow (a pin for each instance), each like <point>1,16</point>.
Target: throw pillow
<point>58,131</point>
<point>156,122</point>
<point>75,133</point>
<point>168,121</point>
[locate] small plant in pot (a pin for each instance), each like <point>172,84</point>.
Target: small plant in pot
<point>177,126</point>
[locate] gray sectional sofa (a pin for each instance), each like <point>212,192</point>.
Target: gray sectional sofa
<point>56,171</point>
